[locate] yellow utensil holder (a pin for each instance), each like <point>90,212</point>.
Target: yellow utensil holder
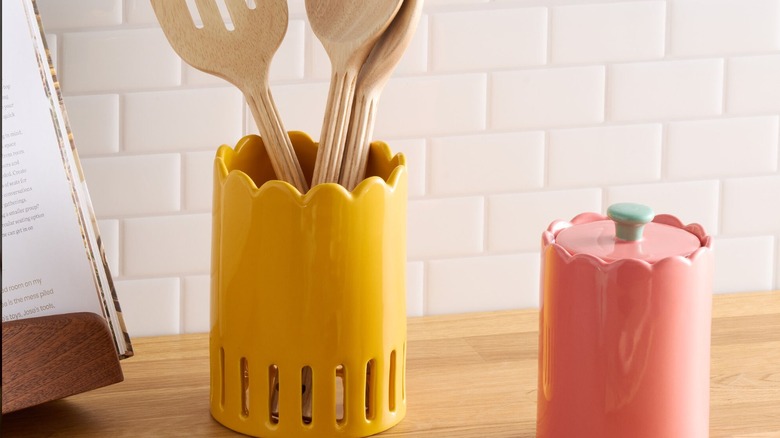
<point>308,297</point>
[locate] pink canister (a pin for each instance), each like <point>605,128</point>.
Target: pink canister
<point>624,329</point>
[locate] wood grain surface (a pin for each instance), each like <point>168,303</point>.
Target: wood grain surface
<point>470,375</point>
<point>52,357</point>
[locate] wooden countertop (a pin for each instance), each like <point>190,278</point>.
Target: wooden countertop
<point>471,375</point>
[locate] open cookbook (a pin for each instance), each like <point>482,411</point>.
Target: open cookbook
<point>52,256</point>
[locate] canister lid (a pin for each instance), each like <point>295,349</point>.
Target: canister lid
<point>628,234</point>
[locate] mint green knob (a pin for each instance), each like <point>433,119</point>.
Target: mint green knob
<point>630,220</point>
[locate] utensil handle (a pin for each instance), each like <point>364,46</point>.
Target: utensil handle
<point>277,143</point>
<point>361,129</point>
<point>334,127</point>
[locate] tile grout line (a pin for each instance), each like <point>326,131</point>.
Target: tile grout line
<point>776,267</point>
<point>181,305</point>
<point>664,173</point>
<point>426,286</point>
<point>546,132</point>
<point>722,181</point>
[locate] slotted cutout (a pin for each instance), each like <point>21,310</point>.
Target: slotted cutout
<point>244,387</point>
<point>194,14</point>
<point>273,394</point>
<point>391,383</point>
<point>223,12</point>
<point>340,398</point>
<point>370,387</point>
<point>307,390</point>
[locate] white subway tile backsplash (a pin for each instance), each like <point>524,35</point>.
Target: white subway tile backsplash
<point>415,289</point>
<point>134,185</point>
<point>453,2</point>
<point>777,267</point>
<point>612,32</point>
<point>432,105</point>
<point>182,120</point>
<point>487,163</point>
<point>531,99</point>
<point>753,84</point>
<point>415,58</point>
<point>198,180</point>
<point>516,221</point>
<point>691,202</point>
<point>603,156</point>
<point>665,89</point>
<point>715,27</point>
<point>483,283</point>
<point>301,107</point>
<point>139,12</point>
<point>723,147</point>
<point>526,3</point>
<point>511,113</point>
<point>751,205</point>
<point>94,121</point>
<point>500,38</point>
<point>287,63</point>
<point>117,60</point>
<point>179,245</point>
<point>743,264</point>
<point>150,307</point>
<point>58,14</point>
<point>195,304</point>
<point>442,227</point>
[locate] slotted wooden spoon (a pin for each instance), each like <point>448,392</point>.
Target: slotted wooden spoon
<point>348,29</point>
<point>374,74</point>
<point>241,56</point>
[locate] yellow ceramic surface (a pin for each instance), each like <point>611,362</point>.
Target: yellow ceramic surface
<point>315,280</point>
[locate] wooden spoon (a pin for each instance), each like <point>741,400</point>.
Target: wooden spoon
<point>373,76</point>
<point>348,29</point>
<point>241,56</point>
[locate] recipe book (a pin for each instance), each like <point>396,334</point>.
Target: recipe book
<point>52,256</point>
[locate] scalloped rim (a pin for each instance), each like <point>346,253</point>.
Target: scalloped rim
<point>225,152</point>
<point>549,236</point>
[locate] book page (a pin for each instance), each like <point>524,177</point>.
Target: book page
<point>52,262</point>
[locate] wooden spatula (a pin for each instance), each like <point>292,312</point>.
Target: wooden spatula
<point>372,79</point>
<point>241,56</point>
<point>348,29</point>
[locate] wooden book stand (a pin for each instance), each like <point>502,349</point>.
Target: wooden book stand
<point>51,357</point>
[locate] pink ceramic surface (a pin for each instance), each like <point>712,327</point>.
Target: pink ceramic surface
<point>597,238</point>
<point>624,344</point>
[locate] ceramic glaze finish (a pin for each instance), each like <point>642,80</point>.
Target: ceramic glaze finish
<point>307,280</point>
<point>597,238</point>
<point>624,346</point>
